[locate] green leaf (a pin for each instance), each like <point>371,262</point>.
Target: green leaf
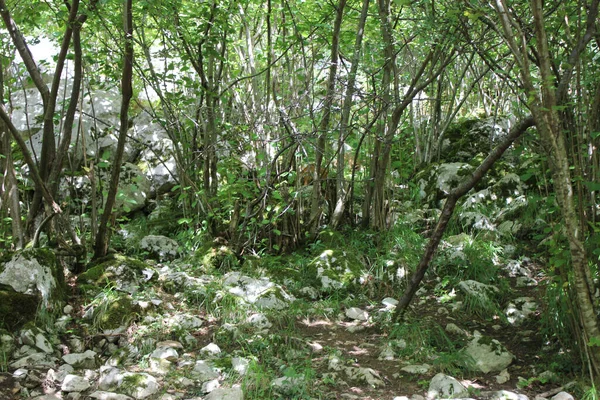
<point>592,186</point>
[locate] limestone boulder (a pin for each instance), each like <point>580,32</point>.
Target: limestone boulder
<point>489,355</point>
<point>31,280</point>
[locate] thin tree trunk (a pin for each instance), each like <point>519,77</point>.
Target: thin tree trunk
<point>342,191</point>
<point>102,237</point>
<point>315,214</point>
<point>448,210</point>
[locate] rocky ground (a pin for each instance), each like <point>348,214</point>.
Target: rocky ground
<point>168,329</point>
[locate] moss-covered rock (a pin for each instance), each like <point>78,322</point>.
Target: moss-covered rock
<point>31,280</point>
<point>470,137</point>
<point>16,309</point>
<point>113,310</point>
<point>123,273</point>
<point>215,256</point>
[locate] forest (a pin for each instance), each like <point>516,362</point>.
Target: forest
<point>315,199</point>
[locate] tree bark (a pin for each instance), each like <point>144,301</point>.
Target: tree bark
<point>103,237</point>
<point>342,190</point>
<point>315,213</point>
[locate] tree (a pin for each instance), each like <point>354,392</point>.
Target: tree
<point>103,235</point>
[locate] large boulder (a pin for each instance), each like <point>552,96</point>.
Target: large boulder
<point>30,279</point>
<point>437,180</point>
<point>489,355</point>
<point>126,274</point>
<point>162,247</point>
<point>468,138</point>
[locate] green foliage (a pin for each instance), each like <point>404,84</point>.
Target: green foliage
<point>476,259</point>
<point>425,341</point>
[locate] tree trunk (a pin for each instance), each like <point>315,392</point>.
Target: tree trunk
<point>448,210</point>
<point>315,213</point>
<point>342,190</point>
<point>103,235</point>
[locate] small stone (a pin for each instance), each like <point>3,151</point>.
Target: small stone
<point>444,386</point>
<point>563,396</point>
<point>102,395</point>
<point>20,373</point>
<point>165,353</point>
<point>240,365</point>
<point>169,343</point>
<point>210,349</point>
<point>503,377</point>
<point>454,329</point>
<point>211,385</point>
<point>315,347</point>
<point>259,321</point>
<point>416,369</point>
<point>389,302</point>
<point>68,309</point>
<point>357,314</point>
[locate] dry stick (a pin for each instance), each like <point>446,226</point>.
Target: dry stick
<point>448,210</point>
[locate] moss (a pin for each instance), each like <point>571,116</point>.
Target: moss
<point>115,311</point>
<point>108,269</point>
<point>16,309</point>
<point>221,257</point>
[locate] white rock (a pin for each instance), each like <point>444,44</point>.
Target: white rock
<point>389,302</point>
<point>59,376</point>
<point>86,360</point>
<point>211,385</point>
<point>416,369</point>
<point>520,309</point>
<point>20,373</point>
<point>445,386</point>
<point>35,337</point>
<point>74,383</point>
<point>38,359</point>
<point>146,385</point>
<point>187,322</point>
<point>165,353</point>
<point>161,246</point>
<point>68,309</point>
<point>259,321</point>
<point>368,375</point>
<point>563,396</point>
<point>478,289</point>
<point>25,274</point>
<point>503,377</point>
<point>488,354</point>
<point>169,343</point>
<point>234,393</point>
<point>315,347</point>
<point>102,395</point>
<point>357,314</point>
<point>503,395</point>
<point>210,349</point>
<point>240,365</point>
